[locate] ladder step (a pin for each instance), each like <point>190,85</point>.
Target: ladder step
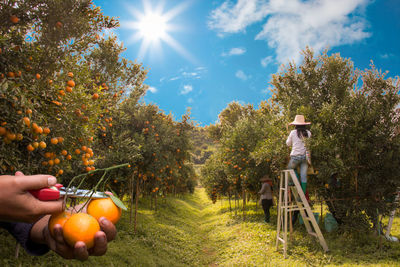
<point>280,239</point>
<point>313,234</point>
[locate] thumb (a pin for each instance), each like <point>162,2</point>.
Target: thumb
<point>33,182</point>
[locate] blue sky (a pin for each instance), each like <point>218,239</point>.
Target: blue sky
<point>204,54</point>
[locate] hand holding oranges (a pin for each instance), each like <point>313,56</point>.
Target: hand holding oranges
<point>78,235</point>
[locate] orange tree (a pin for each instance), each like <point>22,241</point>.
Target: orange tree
<point>249,148</point>
<point>59,82</point>
<point>355,143</point>
<point>156,146</point>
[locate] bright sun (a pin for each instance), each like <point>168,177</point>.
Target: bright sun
<point>153,27</point>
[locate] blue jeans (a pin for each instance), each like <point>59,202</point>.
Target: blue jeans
<point>296,161</point>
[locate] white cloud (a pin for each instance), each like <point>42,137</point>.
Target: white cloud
<point>230,18</point>
<point>186,89</point>
<point>291,25</point>
<point>266,61</point>
<point>236,51</point>
<point>152,89</point>
<point>241,75</point>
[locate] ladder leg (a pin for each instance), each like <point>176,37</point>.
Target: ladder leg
<point>279,219</point>
<point>303,201</point>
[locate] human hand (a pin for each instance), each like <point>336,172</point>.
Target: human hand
<point>40,234</point>
<point>17,204</point>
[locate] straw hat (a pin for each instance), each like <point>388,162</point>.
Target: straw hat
<point>299,120</point>
<point>265,178</point>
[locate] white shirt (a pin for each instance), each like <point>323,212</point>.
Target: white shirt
<point>297,144</point>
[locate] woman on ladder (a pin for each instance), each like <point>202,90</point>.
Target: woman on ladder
<point>298,153</point>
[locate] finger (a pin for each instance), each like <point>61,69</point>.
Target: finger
<point>80,251</point>
<point>18,173</point>
<point>108,228</point>
<point>60,246</point>
<point>48,207</point>
<point>33,182</point>
<point>58,233</point>
<point>100,244</point>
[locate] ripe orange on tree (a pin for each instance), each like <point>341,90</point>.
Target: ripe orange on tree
<point>58,218</point>
<point>71,83</point>
<point>14,19</point>
<point>68,89</point>
<point>80,227</point>
<point>42,144</point>
<point>30,148</point>
<point>46,130</point>
<point>95,96</point>
<point>27,121</point>
<point>104,207</point>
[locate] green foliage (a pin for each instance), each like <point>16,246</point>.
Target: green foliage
<point>190,231</point>
<point>355,141</point>
<point>354,133</point>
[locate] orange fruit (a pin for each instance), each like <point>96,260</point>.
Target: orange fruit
<point>35,144</point>
<point>60,172</point>
<point>28,111</point>
<point>42,145</point>
<point>11,136</point>
<point>61,93</point>
<point>59,24</point>
<point>68,89</point>
<point>3,131</point>
<point>54,141</point>
<point>77,151</point>
<point>104,207</point>
<point>95,96</point>
<point>81,227</point>
<point>70,74</point>
<point>38,76</point>
<point>10,74</point>
<point>56,161</point>
<point>20,137</point>
<point>71,83</point>
<point>58,218</point>
<point>30,148</point>
<point>60,139</point>
<point>27,121</point>
<point>64,152</point>
<point>46,130</point>
<point>69,157</point>
<point>14,19</point>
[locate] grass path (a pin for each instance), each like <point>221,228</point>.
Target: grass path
<point>191,231</point>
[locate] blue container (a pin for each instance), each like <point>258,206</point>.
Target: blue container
<point>330,223</point>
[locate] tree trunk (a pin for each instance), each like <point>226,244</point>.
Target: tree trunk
<point>229,197</point>
<point>131,190</point>
<point>136,204</point>
<point>244,204</point>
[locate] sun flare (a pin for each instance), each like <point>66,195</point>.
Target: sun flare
<point>153,26</point>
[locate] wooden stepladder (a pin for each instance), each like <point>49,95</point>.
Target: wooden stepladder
<point>289,184</point>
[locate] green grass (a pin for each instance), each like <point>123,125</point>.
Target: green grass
<point>191,231</point>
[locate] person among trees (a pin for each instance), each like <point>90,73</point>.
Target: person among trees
<point>298,153</point>
<point>26,218</point>
<point>266,198</point>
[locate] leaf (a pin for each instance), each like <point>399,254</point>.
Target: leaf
<point>118,202</point>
